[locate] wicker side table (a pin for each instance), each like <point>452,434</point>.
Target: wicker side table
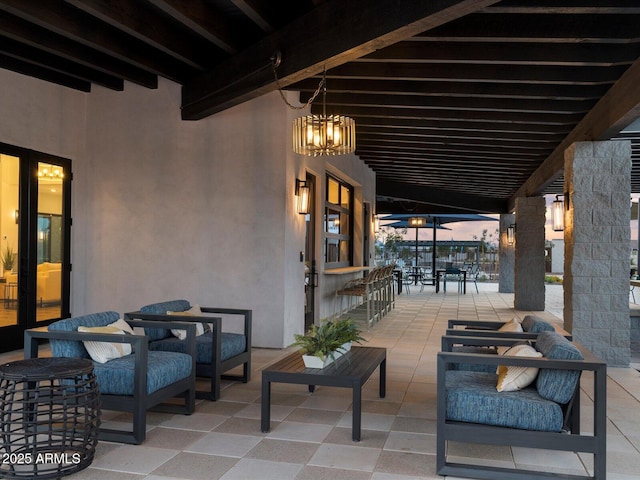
<point>49,417</point>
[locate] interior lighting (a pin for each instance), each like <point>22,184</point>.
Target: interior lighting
<point>50,172</point>
<point>303,194</point>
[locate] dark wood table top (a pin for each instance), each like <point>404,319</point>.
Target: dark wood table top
<point>358,363</point>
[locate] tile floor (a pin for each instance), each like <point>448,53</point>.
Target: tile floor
<point>310,438</point>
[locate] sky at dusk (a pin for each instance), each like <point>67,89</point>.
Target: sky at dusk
<point>467,230</point>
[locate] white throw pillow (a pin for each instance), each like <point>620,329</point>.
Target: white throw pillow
<point>511,378</point>
<point>102,352</point>
<point>192,312</point>
<point>511,326</point>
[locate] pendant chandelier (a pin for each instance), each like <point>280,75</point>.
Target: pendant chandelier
<point>315,135</point>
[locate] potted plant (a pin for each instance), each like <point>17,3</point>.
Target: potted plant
<point>8,259</point>
<point>327,342</point>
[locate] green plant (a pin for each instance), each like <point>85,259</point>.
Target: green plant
<point>322,341</point>
<point>8,259</point>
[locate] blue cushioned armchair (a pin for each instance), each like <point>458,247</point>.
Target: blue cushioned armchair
<point>216,351</point>
<point>544,415</point>
<point>133,383</point>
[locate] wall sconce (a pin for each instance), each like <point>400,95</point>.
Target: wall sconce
<point>511,234</point>
<point>303,192</point>
<point>376,223</point>
<point>17,215</point>
<point>558,213</point>
<point>416,222</point>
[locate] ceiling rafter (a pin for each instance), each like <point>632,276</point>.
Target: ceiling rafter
<point>248,74</point>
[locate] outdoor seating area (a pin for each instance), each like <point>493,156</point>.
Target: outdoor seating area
<point>545,415</point>
<point>310,433</point>
<point>217,351</point>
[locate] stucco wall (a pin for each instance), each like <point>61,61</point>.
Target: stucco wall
<point>167,209</point>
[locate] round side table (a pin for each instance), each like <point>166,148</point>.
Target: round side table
<point>49,417</point>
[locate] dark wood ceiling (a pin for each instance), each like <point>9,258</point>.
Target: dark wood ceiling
<point>459,105</point>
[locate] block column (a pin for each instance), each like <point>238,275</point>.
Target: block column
<point>507,255</point>
<point>597,176</point>
<point>529,253</point>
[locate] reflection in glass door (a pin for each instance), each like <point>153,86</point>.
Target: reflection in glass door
<point>9,181</point>
<point>49,242</point>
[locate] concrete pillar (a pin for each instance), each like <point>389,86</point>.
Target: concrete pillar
<point>507,254</point>
<point>529,254</point>
<point>597,176</point>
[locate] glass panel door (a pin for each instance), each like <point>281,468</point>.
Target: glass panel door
<point>49,241</point>
<point>35,226</point>
<point>9,189</point>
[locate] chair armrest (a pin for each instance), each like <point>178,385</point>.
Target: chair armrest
<point>476,324</point>
<point>449,341</point>
<point>246,314</point>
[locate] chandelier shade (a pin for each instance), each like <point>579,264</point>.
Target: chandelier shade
<point>316,135</point>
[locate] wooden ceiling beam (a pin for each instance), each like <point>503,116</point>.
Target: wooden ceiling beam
<point>330,35</point>
<point>134,19</point>
<point>528,74</point>
<point>45,74</point>
<point>80,27</point>
<point>616,109</point>
<point>467,128</point>
<point>44,40</point>
<point>455,103</point>
<point>436,196</point>
<point>46,60</point>
<point>462,115</point>
<point>513,151</point>
<point>427,87</point>
<point>459,134</point>
<point>539,27</point>
<point>501,53</point>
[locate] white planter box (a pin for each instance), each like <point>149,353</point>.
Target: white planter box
<point>311,361</point>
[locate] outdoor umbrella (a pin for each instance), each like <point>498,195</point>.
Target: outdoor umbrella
<point>434,221</point>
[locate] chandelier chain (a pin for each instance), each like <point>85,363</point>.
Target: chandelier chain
<point>274,63</point>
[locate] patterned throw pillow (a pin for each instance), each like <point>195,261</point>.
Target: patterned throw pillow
<point>192,312</point>
<point>102,352</point>
<point>511,378</point>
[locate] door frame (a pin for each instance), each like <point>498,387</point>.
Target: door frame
<point>13,335</point>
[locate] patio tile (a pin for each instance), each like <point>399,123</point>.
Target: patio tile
<point>303,432</point>
<point>413,464</point>
<point>191,466</point>
<point>368,438</point>
<point>324,473</point>
<point>171,438</point>
<point>264,470</point>
<point>225,444</point>
<point>411,442</point>
<point>313,415</point>
<point>283,451</point>
<point>198,421</point>
<point>134,459</point>
<point>347,457</point>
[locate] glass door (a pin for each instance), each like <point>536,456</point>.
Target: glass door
<point>49,242</point>
<point>9,238</point>
<point>34,242</point>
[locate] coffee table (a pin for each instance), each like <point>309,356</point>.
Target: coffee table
<point>352,370</point>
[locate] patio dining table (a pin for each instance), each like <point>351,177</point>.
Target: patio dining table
<point>442,272</point>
